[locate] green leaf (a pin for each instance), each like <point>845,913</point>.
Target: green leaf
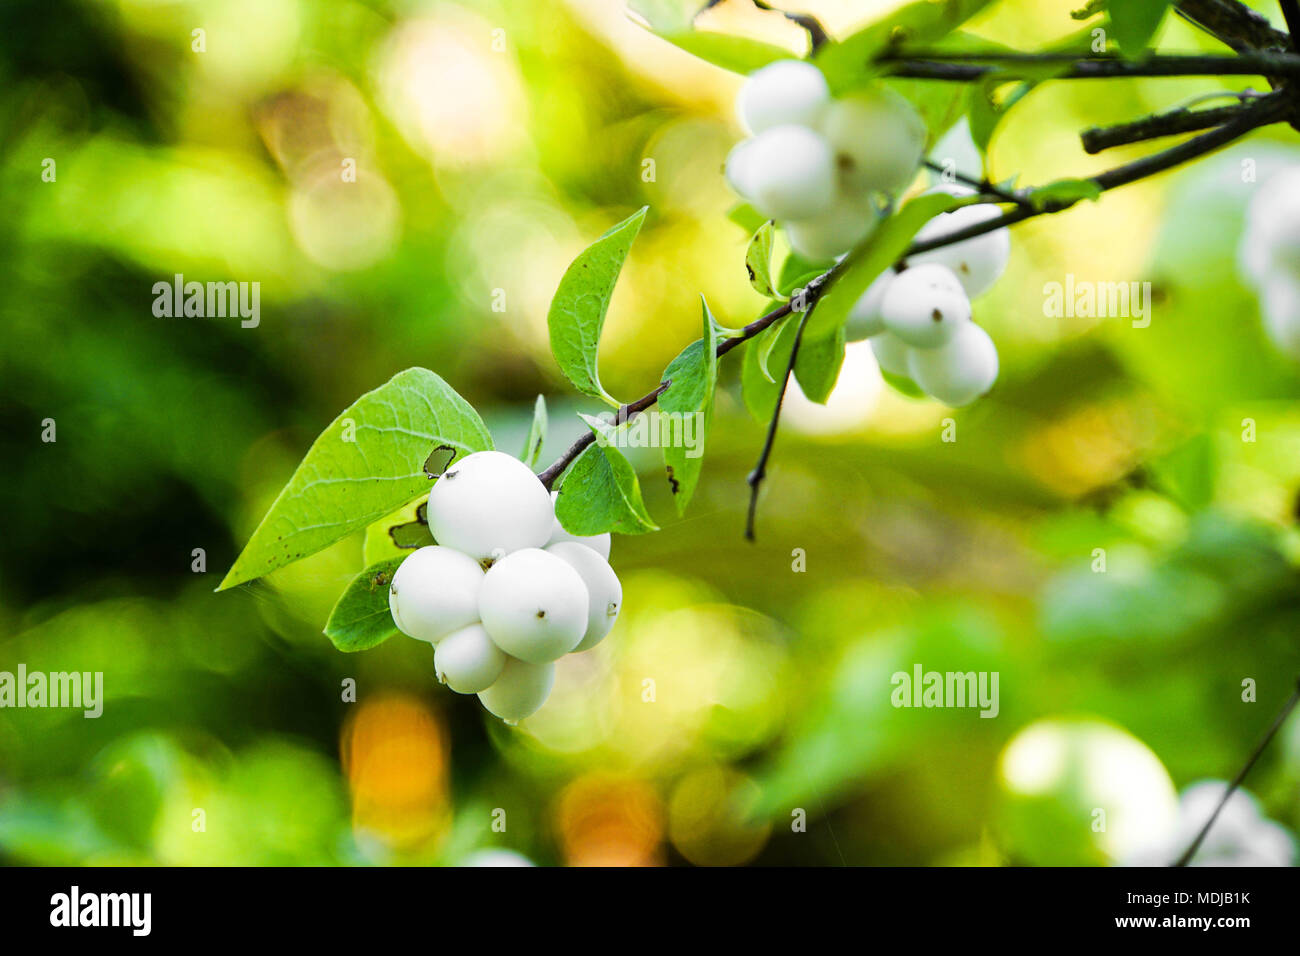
<point>1134,22</point>
<point>600,491</point>
<point>881,250</point>
<point>364,466</point>
<point>532,452</point>
<point>769,350</point>
<point>796,273</point>
<point>693,378</point>
<point>850,63</point>
<point>900,383</point>
<point>758,262</point>
<point>578,309</point>
<point>817,365</point>
<point>397,534</point>
<point>673,21</point>
<point>1064,192</point>
<point>361,619</point>
<point>746,217</point>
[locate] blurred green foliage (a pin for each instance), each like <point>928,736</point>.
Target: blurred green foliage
<point>493,140</point>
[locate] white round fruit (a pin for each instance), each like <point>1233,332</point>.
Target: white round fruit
<point>959,371</point>
<point>520,691</point>
<point>534,605</point>
<point>1280,306</point>
<point>791,173</point>
<point>865,319</point>
<point>891,353</point>
<point>467,661</point>
<point>604,592</point>
<point>784,92</point>
<point>820,239</point>
<point>1273,222</point>
<point>977,262</point>
<point>877,138</point>
<point>434,592</point>
<point>740,169</point>
<point>597,542</point>
<point>925,305</point>
<point>489,504</point>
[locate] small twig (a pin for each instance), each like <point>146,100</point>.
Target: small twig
<point>967,67</point>
<point>1171,123</point>
<point>1291,13</point>
<point>1233,24</point>
<point>756,476</point>
<point>817,35</point>
<point>1283,714</point>
<point>983,186</point>
<point>624,414</point>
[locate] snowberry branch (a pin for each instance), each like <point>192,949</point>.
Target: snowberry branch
<point>1262,112</point>
<point>1173,122</point>
<point>1233,23</point>
<point>982,186</point>
<point>967,67</point>
<point>1283,714</point>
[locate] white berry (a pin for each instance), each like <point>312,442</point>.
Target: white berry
<point>791,174</point>
<point>434,592</point>
<point>925,305</point>
<point>820,239</point>
<point>604,592</point>
<point>891,353</point>
<point>1280,304</point>
<point>597,542</point>
<point>467,661</point>
<point>488,505</point>
<point>534,605</point>
<point>784,92</point>
<point>959,371</point>
<point>977,262</point>
<point>865,319</point>
<point>740,169</point>
<point>877,138</point>
<point>520,691</point>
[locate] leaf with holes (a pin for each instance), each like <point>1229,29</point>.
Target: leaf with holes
<point>361,619</point>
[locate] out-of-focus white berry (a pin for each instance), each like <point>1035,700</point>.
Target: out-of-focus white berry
<point>1280,305</point>
<point>489,504</point>
<point>959,371</point>
<point>925,305</point>
<point>865,319</point>
<point>520,691</point>
<point>820,239</point>
<point>604,592</point>
<point>977,262</point>
<point>781,93</point>
<point>597,542</point>
<point>891,353</point>
<point>496,858</point>
<point>740,169</point>
<point>1273,225</point>
<point>434,592</point>
<point>534,605</point>
<point>791,172</point>
<point>877,138</point>
<point>467,661</point>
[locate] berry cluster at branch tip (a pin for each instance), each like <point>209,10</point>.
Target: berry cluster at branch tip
<point>919,320</point>
<point>814,163</point>
<point>1270,257</point>
<point>506,591</point>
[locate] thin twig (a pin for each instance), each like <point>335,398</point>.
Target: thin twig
<point>1234,24</point>
<point>756,476</point>
<point>983,186</point>
<point>817,35</point>
<point>1157,125</point>
<point>967,67</point>
<point>1283,714</point>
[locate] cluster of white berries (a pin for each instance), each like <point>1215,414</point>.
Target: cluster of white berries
<point>814,163</point>
<point>506,591</point>
<point>1270,256</point>
<point>919,320</point>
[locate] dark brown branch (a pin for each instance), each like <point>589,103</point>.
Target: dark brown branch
<point>1172,123</point>
<point>967,67</point>
<point>1233,24</point>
